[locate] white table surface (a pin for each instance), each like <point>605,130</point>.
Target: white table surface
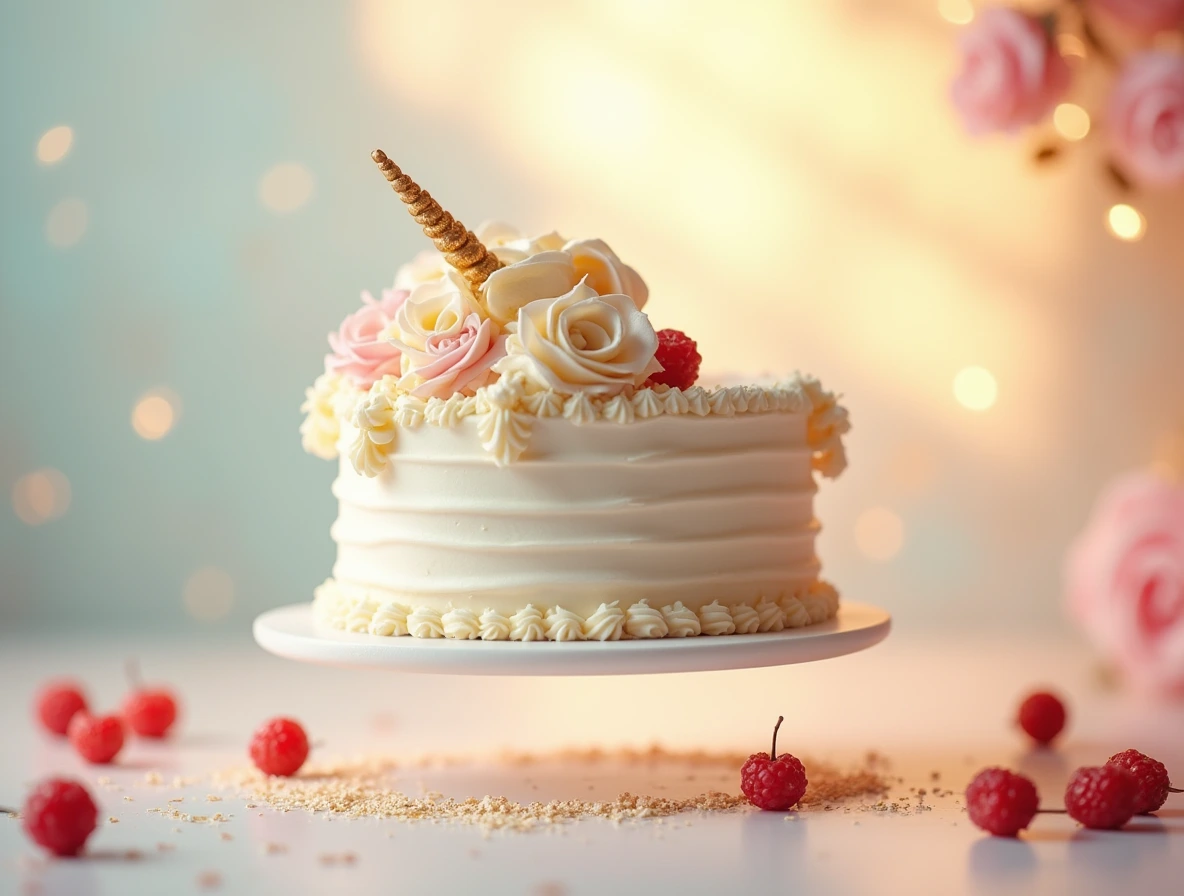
<point>925,704</point>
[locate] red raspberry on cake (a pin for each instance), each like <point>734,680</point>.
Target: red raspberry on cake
<point>1101,797</point>
<point>680,359</point>
<point>1001,802</point>
<point>773,782</point>
<point>1042,715</point>
<point>279,747</point>
<point>1151,779</point>
<point>60,815</point>
<point>57,703</point>
<point>98,739</point>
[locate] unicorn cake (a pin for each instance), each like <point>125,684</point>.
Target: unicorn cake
<point>522,456</point>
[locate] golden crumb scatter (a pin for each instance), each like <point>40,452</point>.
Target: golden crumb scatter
<point>177,799</point>
<point>213,798</point>
<point>111,819</point>
<point>177,815</point>
<point>209,880</point>
<point>103,781</point>
<point>364,788</point>
<point>153,778</point>
<point>129,799</point>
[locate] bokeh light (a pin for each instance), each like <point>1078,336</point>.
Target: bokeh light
<point>66,223</point>
<point>55,144</point>
<point>208,594</point>
<point>975,388</point>
<point>155,413</point>
<point>41,496</point>
<point>879,533</point>
<point>285,187</point>
<point>1071,121</point>
<point>958,12</point>
<point>1126,222</point>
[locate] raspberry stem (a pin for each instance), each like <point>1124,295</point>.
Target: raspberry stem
<point>1175,790</point>
<point>4,810</point>
<point>773,751</point>
<point>1052,811</point>
<point>131,669</point>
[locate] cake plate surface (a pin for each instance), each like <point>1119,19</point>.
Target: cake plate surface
<point>292,632</point>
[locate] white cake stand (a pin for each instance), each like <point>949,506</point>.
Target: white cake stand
<point>291,632</point>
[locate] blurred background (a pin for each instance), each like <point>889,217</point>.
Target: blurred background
<point>189,207</point>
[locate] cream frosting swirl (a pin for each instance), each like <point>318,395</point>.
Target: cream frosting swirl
<point>528,625</point>
<point>494,626</point>
<point>680,622</point>
<point>644,621</point>
<point>745,619</point>
<point>769,615</point>
<point>581,342</point>
<point>716,619</point>
<point>564,625</point>
<point>796,615</point>
<point>461,624</point>
<point>389,620</point>
<point>425,622</point>
<point>606,624</point>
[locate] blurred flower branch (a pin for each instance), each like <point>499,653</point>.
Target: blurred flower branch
<point>1018,67</point>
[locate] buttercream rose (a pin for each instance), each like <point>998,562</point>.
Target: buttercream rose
<point>547,267</point>
<point>360,350</point>
<point>1146,119</point>
<point>1125,580</point>
<point>1144,16</point>
<point>1012,74</point>
<point>581,342</point>
<point>446,344</point>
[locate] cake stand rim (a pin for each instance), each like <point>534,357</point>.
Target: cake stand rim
<point>291,632</point>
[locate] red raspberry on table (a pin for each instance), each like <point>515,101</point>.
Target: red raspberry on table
<point>150,712</point>
<point>279,747</point>
<point>1001,802</point>
<point>57,703</point>
<point>773,782</point>
<point>1101,797</point>
<point>97,739</point>
<point>59,815</point>
<point>680,359</point>
<point>1042,716</point>
<point>1152,785</point>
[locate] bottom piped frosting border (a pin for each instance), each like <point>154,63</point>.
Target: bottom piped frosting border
<point>388,618</point>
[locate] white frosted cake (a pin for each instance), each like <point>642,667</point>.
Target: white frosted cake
<point>522,457</point>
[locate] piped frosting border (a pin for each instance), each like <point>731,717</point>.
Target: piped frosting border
<point>369,614</point>
<point>507,410</point>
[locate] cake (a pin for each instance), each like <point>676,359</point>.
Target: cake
<point>516,462</point>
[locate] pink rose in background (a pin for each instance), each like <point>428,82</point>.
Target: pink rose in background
<point>1147,118</point>
<point>1125,578</point>
<point>1144,16</point>
<point>454,361</point>
<point>1011,75</point>
<point>359,350</point>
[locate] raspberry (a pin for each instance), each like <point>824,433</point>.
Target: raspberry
<point>56,704</point>
<point>279,747</point>
<point>60,815</point>
<point>680,360</point>
<point>771,781</point>
<point>97,739</point>
<point>1001,802</point>
<point>1101,797</point>
<point>150,713</point>
<point>1151,779</point>
<point>1042,716</point>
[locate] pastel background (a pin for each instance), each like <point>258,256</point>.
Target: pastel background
<point>188,208</point>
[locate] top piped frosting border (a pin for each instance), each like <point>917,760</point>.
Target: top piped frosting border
<point>556,330</point>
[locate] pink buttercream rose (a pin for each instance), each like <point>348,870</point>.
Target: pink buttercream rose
<point>1147,118</point>
<point>360,350</point>
<point>1144,16</point>
<point>1125,578</point>
<point>453,361</point>
<point>1012,75</point>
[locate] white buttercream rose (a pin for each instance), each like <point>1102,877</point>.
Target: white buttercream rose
<point>447,345</point>
<point>581,342</point>
<point>546,275</point>
<point>605,272</point>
